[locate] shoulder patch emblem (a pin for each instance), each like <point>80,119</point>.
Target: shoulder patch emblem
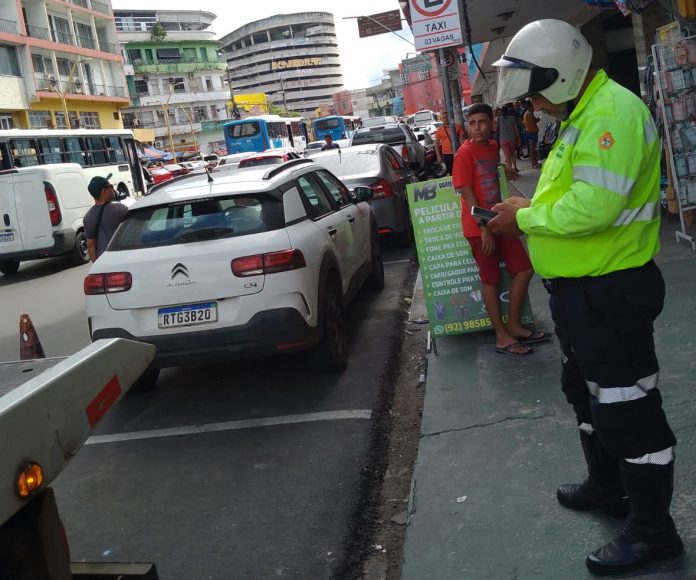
<point>606,141</point>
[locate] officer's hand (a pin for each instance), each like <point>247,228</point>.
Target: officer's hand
<point>487,241</point>
<point>517,202</point>
<point>505,223</point>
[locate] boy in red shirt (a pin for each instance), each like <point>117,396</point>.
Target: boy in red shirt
<point>475,176</point>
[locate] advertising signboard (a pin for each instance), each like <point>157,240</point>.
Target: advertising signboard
<point>379,23</point>
<point>451,283</point>
<point>435,24</point>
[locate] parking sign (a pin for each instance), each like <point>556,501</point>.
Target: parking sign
<point>435,24</point>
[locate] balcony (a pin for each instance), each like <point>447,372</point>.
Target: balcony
<point>86,42</point>
<point>108,47</point>
<point>9,26</point>
<point>177,66</point>
<point>44,83</point>
<point>100,7</point>
<point>38,32</point>
<point>81,3</point>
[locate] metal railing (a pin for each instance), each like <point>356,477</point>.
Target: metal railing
<point>86,42</point>
<point>63,37</point>
<point>9,26</point>
<point>98,90</point>
<point>100,7</point>
<point>43,82</point>
<point>108,47</point>
<point>38,32</point>
<point>82,3</point>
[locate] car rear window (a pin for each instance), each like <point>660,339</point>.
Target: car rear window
<point>394,135</point>
<point>256,161</point>
<point>350,162</point>
<point>198,220</point>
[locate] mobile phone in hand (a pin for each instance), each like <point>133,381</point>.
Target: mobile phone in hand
<point>481,215</point>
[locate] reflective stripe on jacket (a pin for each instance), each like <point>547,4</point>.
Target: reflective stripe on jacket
<point>596,208</point>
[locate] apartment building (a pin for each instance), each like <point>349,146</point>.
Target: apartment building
<point>60,65</point>
<point>177,81</point>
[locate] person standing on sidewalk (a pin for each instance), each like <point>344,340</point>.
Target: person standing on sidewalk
<point>475,177</point>
<point>443,143</point>
<point>593,230</point>
<point>531,134</point>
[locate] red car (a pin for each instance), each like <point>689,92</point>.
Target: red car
<point>270,157</point>
<point>176,170</point>
<point>158,174</point>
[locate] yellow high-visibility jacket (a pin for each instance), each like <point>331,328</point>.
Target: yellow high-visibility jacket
<point>596,208</point>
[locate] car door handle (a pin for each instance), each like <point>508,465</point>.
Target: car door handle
<point>6,219</point>
<point>332,231</point>
<point>351,219</point>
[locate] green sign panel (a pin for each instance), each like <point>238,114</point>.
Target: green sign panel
<point>451,283</point>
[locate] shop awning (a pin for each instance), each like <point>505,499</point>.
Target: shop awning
<point>153,154</point>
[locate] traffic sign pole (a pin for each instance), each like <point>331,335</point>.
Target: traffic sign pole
<point>448,100</point>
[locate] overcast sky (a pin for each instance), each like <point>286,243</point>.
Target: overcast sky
<point>362,59</point>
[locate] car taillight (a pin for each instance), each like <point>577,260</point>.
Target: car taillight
<point>404,153</point>
<point>52,201</point>
<point>110,283</point>
<point>382,189</point>
<point>268,263</point>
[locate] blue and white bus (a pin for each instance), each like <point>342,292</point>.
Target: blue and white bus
<point>338,126</point>
<point>257,134</point>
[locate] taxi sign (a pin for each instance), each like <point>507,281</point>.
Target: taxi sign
<point>435,24</point>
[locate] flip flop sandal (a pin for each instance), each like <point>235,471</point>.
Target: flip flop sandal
<point>535,337</point>
<point>508,350</point>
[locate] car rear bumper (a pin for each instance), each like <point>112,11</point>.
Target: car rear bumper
<point>270,332</point>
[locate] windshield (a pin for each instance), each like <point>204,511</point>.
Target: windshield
<point>199,220</point>
<point>350,162</point>
<point>327,124</point>
<point>379,136</point>
<point>241,130</point>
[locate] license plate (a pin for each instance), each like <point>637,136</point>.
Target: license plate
<point>7,237</point>
<point>187,315</point>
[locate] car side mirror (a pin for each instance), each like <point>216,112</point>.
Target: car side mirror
<point>363,193</point>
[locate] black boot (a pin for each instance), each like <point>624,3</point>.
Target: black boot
<point>602,489</point>
<point>649,532</point>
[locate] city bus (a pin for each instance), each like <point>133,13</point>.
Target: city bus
<point>98,151</point>
<point>257,134</point>
<point>338,126</point>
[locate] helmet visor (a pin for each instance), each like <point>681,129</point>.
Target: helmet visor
<point>519,79</point>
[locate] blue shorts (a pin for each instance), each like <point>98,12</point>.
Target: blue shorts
<point>532,138</point>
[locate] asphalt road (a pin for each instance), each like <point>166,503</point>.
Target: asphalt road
<point>246,470</point>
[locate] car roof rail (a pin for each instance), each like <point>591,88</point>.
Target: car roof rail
<point>283,166</point>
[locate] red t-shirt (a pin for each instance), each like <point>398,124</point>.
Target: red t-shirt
<point>476,166</point>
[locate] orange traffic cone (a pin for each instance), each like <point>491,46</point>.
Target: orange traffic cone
<point>29,343</point>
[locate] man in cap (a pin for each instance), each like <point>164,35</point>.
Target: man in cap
<point>102,220</point>
<point>593,230</point>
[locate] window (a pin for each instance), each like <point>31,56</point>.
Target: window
<point>404,78</point>
<point>84,35</point>
<point>61,30</point>
<point>134,55</point>
<point>318,202</point>
<point>277,130</point>
<point>23,152</point>
<point>50,150</point>
<point>74,150</point>
<point>168,55</point>
<point>337,190</point>
<point>114,150</point>
<point>423,75</point>
<point>149,58</point>
<point>40,119</point>
<point>190,55</point>
<point>200,220</point>
<point>6,122</point>
<point>260,37</point>
<point>209,83</point>
<point>9,65</point>
<point>201,113</point>
<point>204,54</point>
<point>241,130</point>
<point>328,124</point>
<point>60,120</point>
<point>96,150</point>
<point>63,66</point>
<point>90,120</point>
<point>42,64</point>
<point>141,87</point>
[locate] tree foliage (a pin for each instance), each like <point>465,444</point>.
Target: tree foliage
<point>158,32</point>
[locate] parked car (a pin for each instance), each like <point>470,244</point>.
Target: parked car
<point>381,168</point>
<point>198,166</point>
<point>314,147</point>
<point>212,160</point>
<point>261,261</point>
<point>158,175</point>
<point>176,169</point>
<point>270,157</point>
<point>377,121</point>
<point>401,137</point>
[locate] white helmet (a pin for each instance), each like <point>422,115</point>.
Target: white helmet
<point>549,57</point>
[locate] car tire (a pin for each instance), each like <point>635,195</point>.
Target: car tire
<point>145,383</point>
<point>331,352</point>
<point>375,280</point>
<point>9,267</point>
<point>80,255</point>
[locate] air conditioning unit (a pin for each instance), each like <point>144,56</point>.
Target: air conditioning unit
<point>137,61</point>
<point>159,144</point>
<point>77,84</point>
<point>52,80</point>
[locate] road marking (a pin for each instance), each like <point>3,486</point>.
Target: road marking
<point>231,426</point>
<point>396,262</point>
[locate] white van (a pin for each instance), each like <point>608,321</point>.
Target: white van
<point>41,213</point>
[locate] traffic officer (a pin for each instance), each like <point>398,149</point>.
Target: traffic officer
<point>593,230</point>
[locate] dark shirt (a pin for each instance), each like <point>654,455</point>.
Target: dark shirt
<point>327,146</point>
<point>114,212</point>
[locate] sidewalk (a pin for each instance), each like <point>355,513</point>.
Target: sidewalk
<point>498,437</point>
